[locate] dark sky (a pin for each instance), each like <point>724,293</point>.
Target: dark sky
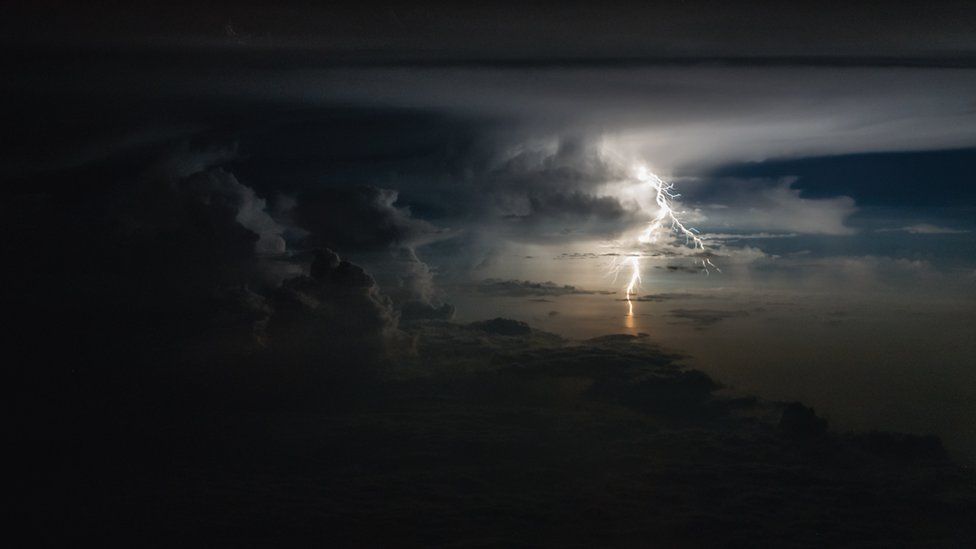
<point>424,32</point>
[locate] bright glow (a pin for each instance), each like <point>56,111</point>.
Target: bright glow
<point>665,222</point>
<point>635,277</point>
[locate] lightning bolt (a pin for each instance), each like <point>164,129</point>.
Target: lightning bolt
<point>666,221</point>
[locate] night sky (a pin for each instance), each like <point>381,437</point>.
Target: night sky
<point>295,273</point>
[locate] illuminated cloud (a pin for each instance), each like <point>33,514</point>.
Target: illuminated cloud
<point>776,206</point>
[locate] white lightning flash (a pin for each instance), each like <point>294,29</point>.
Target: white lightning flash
<point>666,221</point>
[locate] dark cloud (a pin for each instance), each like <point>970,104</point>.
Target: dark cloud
<point>572,214</point>
<point>502,326</point>
<point>690,269</point>
<point>359,218</point>
<point>419,311</point>
<point>668,297</point>
<point>162,238</point>
<point>704,318</point>
<point>332,320</point>
<point>368,223</point>
<point>174,274</point>
<point>577,255</point>
<point>402,275</point>
<point>252,213</point>
<point>801,421</point>
<point>522,288</point>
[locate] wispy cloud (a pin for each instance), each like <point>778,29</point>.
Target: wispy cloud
<point>749,236</point>
<point>923,228</point>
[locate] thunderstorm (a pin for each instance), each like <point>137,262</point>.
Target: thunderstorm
<point>666,221</point>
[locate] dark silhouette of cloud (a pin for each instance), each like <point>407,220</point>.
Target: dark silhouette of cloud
<point>801,421</point>
<point>417,310</point>
<point>667,296</point>
<point>522,288</point>
<point>367,223</point>
<point>704,318</point>
<point>359,218</point>
<point>502,326</point>
<point>330,325</point>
